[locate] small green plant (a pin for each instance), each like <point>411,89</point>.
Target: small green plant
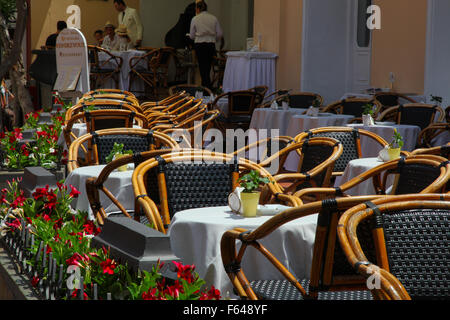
<point>368,109</point>
<point>117,150</point>
<point>316,103</point>
<point>397,140</point>
<point>252,181</point>
<point>436,99</point>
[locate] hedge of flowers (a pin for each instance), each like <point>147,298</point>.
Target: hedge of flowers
<point>44,152</point>
<point>67,235</point>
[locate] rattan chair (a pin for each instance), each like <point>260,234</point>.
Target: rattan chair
<point>145,68</point>
<point>191,179</point>
<point>109,91</point>
<point>103,119</point>
<point>102,70</point>
<point>414,174</point>
<point>176,114</point>
<point>410,235</point>
<point>99,104</point>
<point>443,151</point>
<point>418,114</point>
<point>391,99</point>
<point>190,89</point>
<point>275,94</point>
<point>350,139</point>
<point>427,135</point>
<point>96,184</point>
<point>331,277</point>
<point>240,107</point>
<point>111,96</point>
<point>157,106</point>
<point>303,99</point>
<point>102,142</point>
<point>262,90</point>
<point>353,106</point>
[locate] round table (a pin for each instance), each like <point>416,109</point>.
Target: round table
<point>195,236</point>
<point>138,84</point>
<point>246,69</point>
<point>369,148</point>
<point>441,140</point>
<point>356,167</point>
<point>300,123</point>
<point>267,118</point>
<point>118,183</point>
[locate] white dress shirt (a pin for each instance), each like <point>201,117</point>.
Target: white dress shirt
<point>205,28</point>
<point>108,43</point>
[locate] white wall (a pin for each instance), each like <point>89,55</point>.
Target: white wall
<point>437,67</point>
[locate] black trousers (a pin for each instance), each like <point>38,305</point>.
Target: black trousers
<point>205,52</point>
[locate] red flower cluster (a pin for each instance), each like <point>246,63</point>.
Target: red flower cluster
<point>90,228</point>
<point>108,266</point>
<point>212,294</point>
<point>185,272</point>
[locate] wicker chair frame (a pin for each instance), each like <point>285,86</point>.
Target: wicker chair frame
<point>305,103</point>
<point>391,99</point>
<point>161,217</point>
<point>330,278</point>
<point>421,226</point>
<point>427,135</point>
<point>158,140</point>
<point>190,89</point>
<point>350,138</point>
<point>338,107</point>
<point>98,73</point>
<point>397,113</point>
<point>427,183</point>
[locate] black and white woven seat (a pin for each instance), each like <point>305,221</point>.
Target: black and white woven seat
<point>412,237</point>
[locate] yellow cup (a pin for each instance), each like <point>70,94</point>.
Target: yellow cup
<point>394,153</point>
<point>250,202</point>
<point>125,166</point>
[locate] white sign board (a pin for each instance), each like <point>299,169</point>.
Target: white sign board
<point>72,63</point>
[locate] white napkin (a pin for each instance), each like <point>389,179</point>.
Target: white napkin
<point>367,120</point>
<point>383,155</point>
<point>312,112</point>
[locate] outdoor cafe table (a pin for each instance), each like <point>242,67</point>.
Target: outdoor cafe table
<point>118,183</point>
<point>267,118</point>
<point>356,167</point>
<point>370,148</point>
<point>195,237</point>
<point>300,123</point>
<point>246,69</point>
<point>138,84</point>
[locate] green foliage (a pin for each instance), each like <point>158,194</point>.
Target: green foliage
<point>252,181</point>
<point>368,109</point>
<point>117,150</point>
<point>316,103</point>
<point>397,140</point>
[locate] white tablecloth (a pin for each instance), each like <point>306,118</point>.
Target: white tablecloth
<point>441,139</point>
<point>138,84</point>
<point>245,70</point>
<point>356,167</point>
<point>118,183</point>
<point>369,148</point>
<point>266,118</point>
<point>300,123</point>
<point>195,238</point>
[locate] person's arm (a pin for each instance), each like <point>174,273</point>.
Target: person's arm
<point>219,32</point>
<point>192,30</point>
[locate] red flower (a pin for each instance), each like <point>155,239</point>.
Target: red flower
<point>18,133</point>
<point>14,225</point>
<point>74,193</point>
<point>185,272</point>
<point>19,201</point>
<point>75,294</point>
<point>108,266</point>
<point>150,295</point>
<point>90,228</point>
<point>75,259</point>
<point>34,281</point>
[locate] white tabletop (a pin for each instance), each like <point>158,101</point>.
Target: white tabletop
<point>356,167</point>
<point>246,69</point>
<point>138,84</point>
<point>301,123</point>
<point>370,148</point>
<point>195,238</point>
<point>267,118</point>
<point>118,183</point>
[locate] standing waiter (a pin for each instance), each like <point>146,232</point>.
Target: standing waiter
<point>205,31</point>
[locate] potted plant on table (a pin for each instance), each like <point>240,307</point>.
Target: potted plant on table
<point>116,153</point>
<point>367,114</point>
<point>395,146</point>
<point>251,182</point>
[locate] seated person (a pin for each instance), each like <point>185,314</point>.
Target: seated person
<point>51,40</point>
<point>98,35</point>
<point>110,40</point>
<point>124,43</point>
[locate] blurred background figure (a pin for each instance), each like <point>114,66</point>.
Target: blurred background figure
<point>98,35</point>
<point>110,40</point>
<point>129,17</point>
<point>51,40</point>
<point>124,42</point>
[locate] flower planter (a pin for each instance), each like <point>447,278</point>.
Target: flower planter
<point>8,175</point>
<point>394,153</point>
